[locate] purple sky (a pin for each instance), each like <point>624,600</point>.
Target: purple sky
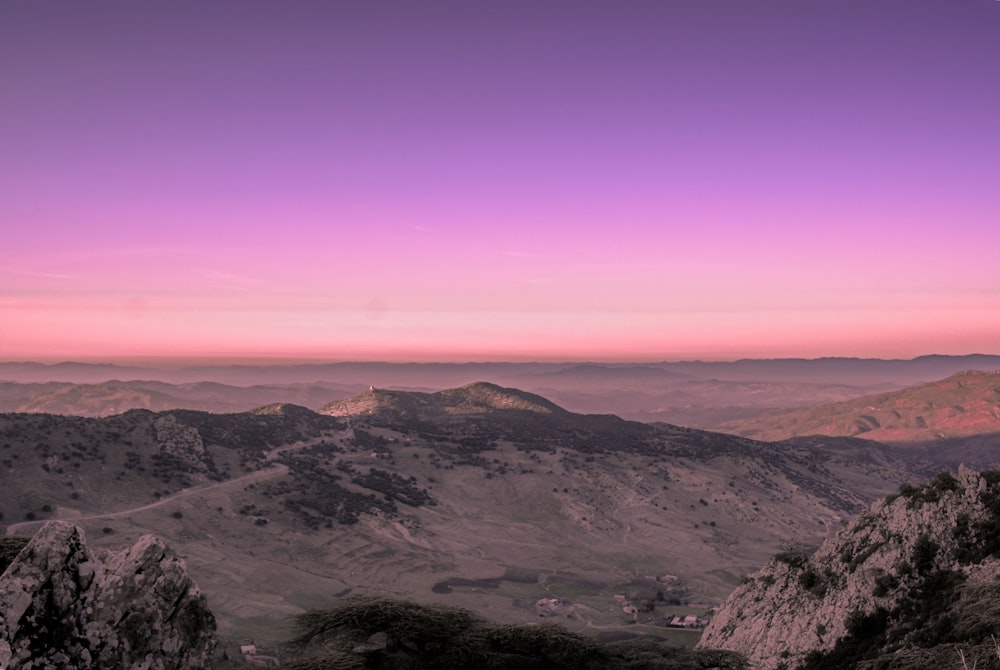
<point>499,180</point>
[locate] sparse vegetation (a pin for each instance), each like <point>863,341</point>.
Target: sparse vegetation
<point>932,606</point>
<point>609,477</point>
<point>366,632</point>
<point>10,547</point>
<point>795,556</point>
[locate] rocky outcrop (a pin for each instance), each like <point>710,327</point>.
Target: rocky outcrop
<point>62,607</point>
<point>917,571</point>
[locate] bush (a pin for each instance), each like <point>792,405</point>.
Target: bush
<point>367,632</point>
<point>10,547</point>
<point>924,552</point>
<point>814,582</point>
<point>885,584</point>
<point>795,557</point>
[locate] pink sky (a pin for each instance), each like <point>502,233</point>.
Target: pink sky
<point>630,180</point>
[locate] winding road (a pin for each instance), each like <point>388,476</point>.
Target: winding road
<point>268,473</point>
<point>276,470</point>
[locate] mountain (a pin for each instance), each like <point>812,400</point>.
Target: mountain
<point>965,404</point>
<point>833,370</point>
<point>114,397</point>
<point>483,497</point>
<point>478,397</point>
<point>910,583</point>
<point>691,393</point>
<point>840,371</point>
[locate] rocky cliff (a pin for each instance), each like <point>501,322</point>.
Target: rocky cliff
<point>61,606</point>
<point>910,583</point>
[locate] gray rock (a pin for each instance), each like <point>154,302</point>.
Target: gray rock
<point>799,604</point>
<point>61,607</point>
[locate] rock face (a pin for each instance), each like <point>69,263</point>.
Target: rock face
<point>912,581</point>
<point>62,607</point>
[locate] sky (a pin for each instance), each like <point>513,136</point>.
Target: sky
<point>620,180</point>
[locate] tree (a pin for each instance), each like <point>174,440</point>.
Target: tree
<point>371,632</point>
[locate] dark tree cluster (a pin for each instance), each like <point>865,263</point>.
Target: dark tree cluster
<point>394,487</point>
<point>366,632</point>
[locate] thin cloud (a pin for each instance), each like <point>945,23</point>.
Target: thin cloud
<point>36,273</point>
<point>233,282</point>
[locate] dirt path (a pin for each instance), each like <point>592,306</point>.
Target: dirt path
<point>276,470</point>
<point>268,473</point>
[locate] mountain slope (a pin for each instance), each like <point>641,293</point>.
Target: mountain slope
<point>693,393</point>
<point>483,497</point>
<point>478,397</point>
<point>902,586</point>
<point>964,404</point>
<point>115,397</point>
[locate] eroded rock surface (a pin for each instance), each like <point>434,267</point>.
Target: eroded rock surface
<point>62,607</point>
<point>917,575</point>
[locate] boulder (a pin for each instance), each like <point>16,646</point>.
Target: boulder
<point>63,607</point>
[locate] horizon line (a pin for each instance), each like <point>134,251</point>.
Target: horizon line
<point>266,361</point>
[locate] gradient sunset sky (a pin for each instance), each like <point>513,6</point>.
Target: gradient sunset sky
<point>499,180</point>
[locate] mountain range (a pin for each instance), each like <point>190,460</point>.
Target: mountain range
<point>493,498</point>
<point>706,395</point>
<point>481,496</point>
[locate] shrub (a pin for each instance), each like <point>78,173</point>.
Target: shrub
<point>885,584</point>
<point>795,557</point>
<point>924,552</point>
<point>367,632</point>
<point>10,547</point>
<point>813,582</point>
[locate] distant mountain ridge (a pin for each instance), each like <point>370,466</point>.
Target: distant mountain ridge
<point>699,394</point>
<point>964,404</point>
<point>838,370</point>
<point>114,396</point>
<point>475,397</point>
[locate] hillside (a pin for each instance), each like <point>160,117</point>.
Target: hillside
<point>965,404</point>
<point>908,584</point>
<point>697,394</point>
<point>477,397</point>
<point>843,371</point>
<point>483,497</point>
<point>114,397</point>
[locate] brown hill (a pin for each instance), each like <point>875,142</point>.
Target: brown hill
<point>115,397</point>
<point>483,497</point>
<point>477,397</point>
<point>694,393</point>
<point>963,405</point>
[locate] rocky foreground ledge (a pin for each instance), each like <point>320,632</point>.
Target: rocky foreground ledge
<point>913,583</point>
<point>63,607</point>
